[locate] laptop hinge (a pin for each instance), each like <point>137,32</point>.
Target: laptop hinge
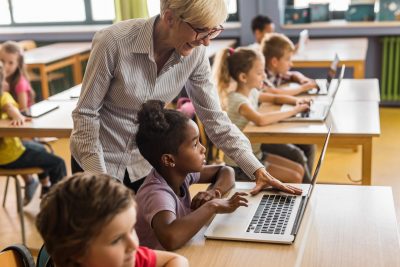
<point>299,215</point>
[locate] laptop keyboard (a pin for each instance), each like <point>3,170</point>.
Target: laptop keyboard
<point>272,215</point>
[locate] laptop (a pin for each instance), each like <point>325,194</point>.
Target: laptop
<point>271,216</point>
<point>323,85</point>
<point>319,109</point>
<point>41,108</point>
<point>303,38</point>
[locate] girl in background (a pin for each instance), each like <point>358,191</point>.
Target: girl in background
<point>246,68</point>
<point>11,54</point>
<point>15,153</point>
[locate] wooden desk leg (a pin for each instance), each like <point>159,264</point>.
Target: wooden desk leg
<point>77,70</point>
<point>359,70</point>
<point>44,81</point>
<point>366,162</point>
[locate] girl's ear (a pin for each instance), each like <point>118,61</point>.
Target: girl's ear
<point>168,160</point>
<point>242,77</point>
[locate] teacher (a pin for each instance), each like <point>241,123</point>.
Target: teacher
<point>142,59</point>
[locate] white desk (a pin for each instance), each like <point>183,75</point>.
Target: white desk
<point>319,53</point>
<point>56,56</point>
<point>353,123</point>
<point>343,226</point>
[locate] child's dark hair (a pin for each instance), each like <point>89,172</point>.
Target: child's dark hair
<point>259,22</point>
<point>74,212</point>
<point>161,131</point>
<point>11,47</point>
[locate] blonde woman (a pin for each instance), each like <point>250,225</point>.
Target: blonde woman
<point>142,59</point>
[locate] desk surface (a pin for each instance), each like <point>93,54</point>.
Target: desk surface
<point>67,95</point>
<point>57,123</point>
<point>357,90</point>
<point>323,50</point>
<point>343,226</point>
<point>50,53</point>
<point>347,119</point>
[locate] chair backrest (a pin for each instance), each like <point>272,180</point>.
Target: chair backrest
<point>43,258</point>
<point>27,44</point>
<point>16,256</point>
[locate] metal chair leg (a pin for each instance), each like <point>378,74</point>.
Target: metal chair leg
<point>5,191</point>
<point>20,208</point>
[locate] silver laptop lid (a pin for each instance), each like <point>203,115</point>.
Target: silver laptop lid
<point>337,85</point>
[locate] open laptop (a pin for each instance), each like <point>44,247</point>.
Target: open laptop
<point>41,108</point>
<point>303,38</point>
<point>271,216</point>
<point>323,85</point>
<point>319,109</point>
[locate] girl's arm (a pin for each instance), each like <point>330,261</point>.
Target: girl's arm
<point>17,119</point>
<point>277,98</point>
<point>222,179</point>
<point>261,119</point>
<point>291,90</point>
<point>169,259</point>
<point>22,99</point>
<point>173,233</point>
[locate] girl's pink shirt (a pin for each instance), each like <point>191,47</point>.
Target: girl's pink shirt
<point>23,86</point>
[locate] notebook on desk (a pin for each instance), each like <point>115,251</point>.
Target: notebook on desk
<point>41,108</point>
<point>323,85</point>
<point>319,109</point>
<point>271,216</point>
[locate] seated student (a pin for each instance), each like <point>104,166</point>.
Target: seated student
<point>15,153</point>
<point>167,218</point>
<point>260,25</point>
<point>246,67</point>
<point>278,51</point>
<point>17,84</point>
<point>88,220</point>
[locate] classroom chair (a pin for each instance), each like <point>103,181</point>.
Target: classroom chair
<point>213,154</point>
<point>13,173</point>
<point>33,76</point>
<point>43,258</point>
<point>16,256</point>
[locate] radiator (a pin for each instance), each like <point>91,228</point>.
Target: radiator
<point>390,83</point>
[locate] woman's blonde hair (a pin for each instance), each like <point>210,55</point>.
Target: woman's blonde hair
<point>228,65</point>
<point>202,13</point>
<point>275,45</point>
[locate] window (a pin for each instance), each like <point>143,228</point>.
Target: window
<point>50,12</point>
<point>154,9</point>
<point>334,5</point>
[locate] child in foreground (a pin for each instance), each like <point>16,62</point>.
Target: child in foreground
<point>89,220</point>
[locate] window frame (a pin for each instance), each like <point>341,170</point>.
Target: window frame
<point>89,18</point>
<point>88,14</point>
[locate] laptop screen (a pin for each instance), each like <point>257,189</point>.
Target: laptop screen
<point>333,69</point>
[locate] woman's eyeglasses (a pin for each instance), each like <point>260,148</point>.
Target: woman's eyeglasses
<point>202,34</point>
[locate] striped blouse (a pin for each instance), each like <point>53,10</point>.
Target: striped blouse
<point>121,75</point>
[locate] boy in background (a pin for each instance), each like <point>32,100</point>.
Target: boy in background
<point>261,25</point>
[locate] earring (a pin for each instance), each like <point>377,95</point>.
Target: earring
<point>172,165</point>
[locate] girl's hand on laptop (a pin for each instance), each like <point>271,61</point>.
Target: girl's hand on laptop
<point>203,197</point>
<point>301,108</point>
<point>310,84</point>
<point>228,205</point>
<point>306,101</point>
<point>264,179</point>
